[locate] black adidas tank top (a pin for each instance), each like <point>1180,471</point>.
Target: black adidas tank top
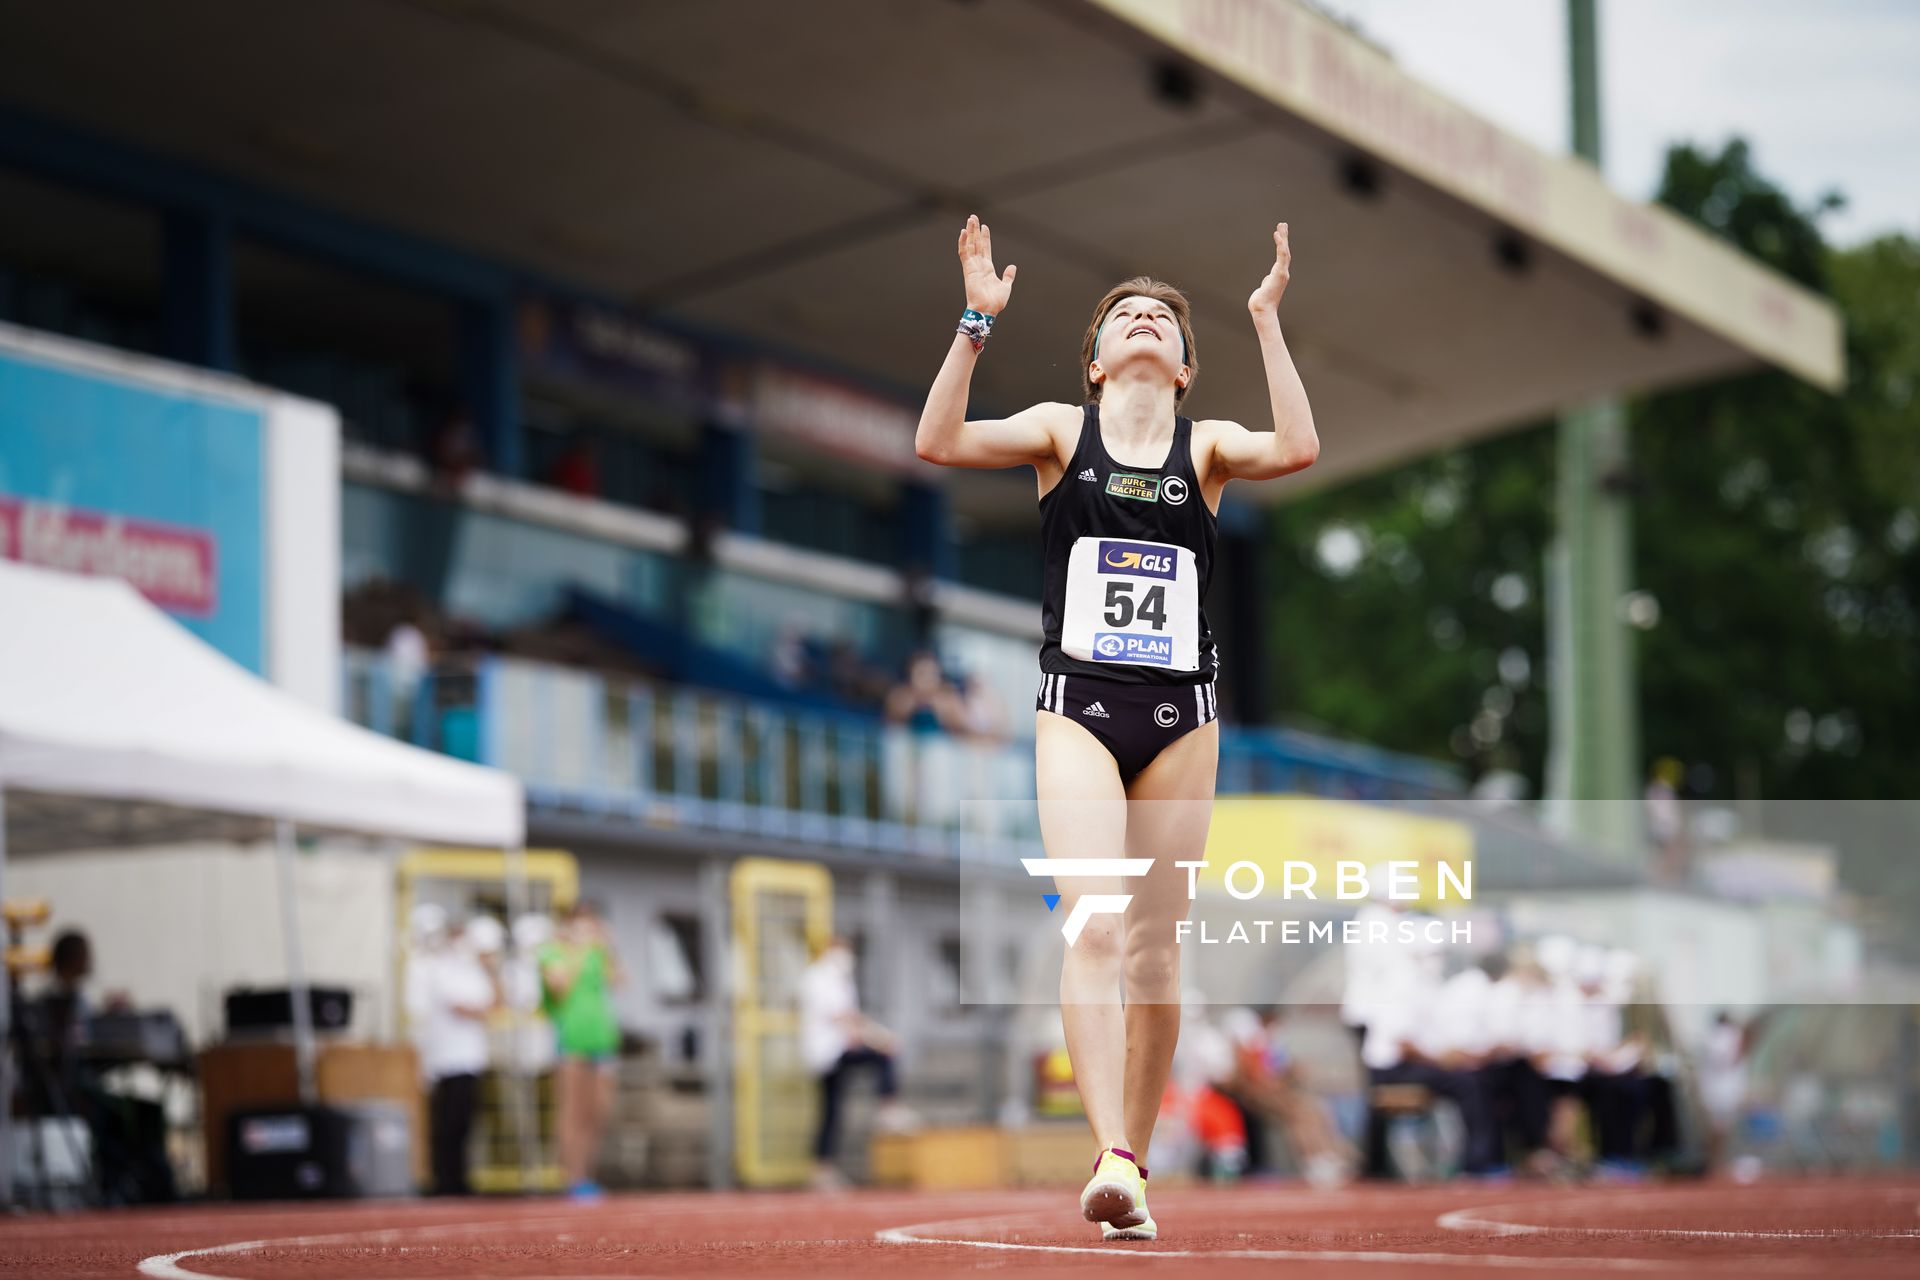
<point>1129,556</point>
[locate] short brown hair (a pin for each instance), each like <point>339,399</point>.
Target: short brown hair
<point>1159,291</point>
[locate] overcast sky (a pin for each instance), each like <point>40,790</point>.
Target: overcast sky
<point>1826,91</point>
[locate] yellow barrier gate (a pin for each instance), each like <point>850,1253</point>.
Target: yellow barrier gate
<point>514,1130</point>
<point>782,914</point>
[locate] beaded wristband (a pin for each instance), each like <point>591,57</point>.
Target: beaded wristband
<point>977,326</point>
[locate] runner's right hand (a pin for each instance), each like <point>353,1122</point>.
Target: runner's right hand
<point>987,292</point>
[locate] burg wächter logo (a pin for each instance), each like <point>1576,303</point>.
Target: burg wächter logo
<point>1088,905</point>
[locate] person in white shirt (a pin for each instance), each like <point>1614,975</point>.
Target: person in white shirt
<point>1723,1084</point>
<point>529,1040</point>
<point>1516,1088</point>
<point>1373,967</point>
<point>1615,1086</point>
<point>451,989</point>
<point>1409,1041</point>
<point>837,1040</point>
<point>1560,1035</point>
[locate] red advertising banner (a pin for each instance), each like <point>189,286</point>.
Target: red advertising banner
<point>839,419</point>
<point>169,565</point>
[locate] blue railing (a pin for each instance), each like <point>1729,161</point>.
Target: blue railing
<point>680,755</point>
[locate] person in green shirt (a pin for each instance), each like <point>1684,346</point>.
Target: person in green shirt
<point>578,972</point>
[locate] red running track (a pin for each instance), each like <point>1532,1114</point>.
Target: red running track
<point>1834,1229</point>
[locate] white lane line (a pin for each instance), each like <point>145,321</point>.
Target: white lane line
<point>1491,1220</point>
<point>167,1266</point>
<point>1492,1261</point>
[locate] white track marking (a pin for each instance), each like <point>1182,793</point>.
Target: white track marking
<point>911,1235</point>
<point>168,1266</point>
<point>1489,1220</point>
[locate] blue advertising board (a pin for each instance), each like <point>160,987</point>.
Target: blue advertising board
<point>112,476</point>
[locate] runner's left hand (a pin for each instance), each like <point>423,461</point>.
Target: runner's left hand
<point>1265,298</point>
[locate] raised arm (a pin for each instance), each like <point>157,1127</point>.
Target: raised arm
<point>944,436</point>
<point>1292,445</point>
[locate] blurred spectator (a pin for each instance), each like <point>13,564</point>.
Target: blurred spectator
<point>577,469</point>
<point>1666,821</point>
<point>454,452</point>
<point>1267,1083</point>
<point>1559,1038</point>
<point>578,971</point>
<point>64,1012</point>
<point>408,657</point>
<point>1221,1132</point>
<point>1515,1084</point>
<point>920,766</point>
<point>852,678</point>
<point>451,989</point>
<point>837,1040</point>
<point>1614,1088</point>
<point>1374,963</point>
<point>531,1043</point>
<point>789,661</point>
<point>924,701</point>
<point>1723,1085</point>
<point>980,717</point>
<point>128,1162</point>
<point>1409,1043</point>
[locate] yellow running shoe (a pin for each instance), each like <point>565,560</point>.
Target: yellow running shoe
<point>1145,1229</point>
<point>1116,1195</point>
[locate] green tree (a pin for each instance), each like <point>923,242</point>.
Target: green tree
<point>1776,525</point>
<point>1410,610</point>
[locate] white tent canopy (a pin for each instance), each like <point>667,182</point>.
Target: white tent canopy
<point>105,700</point>
<point>103,695</point>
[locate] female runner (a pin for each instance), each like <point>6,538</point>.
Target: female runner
<point>1129,494</point>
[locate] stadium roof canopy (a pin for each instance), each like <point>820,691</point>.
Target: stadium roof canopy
<point>105,698</point>
<point>798,172</point>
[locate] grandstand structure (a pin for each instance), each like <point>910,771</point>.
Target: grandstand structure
<point>624,315</point>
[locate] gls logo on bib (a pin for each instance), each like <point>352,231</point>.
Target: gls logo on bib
<point>1137,559</point>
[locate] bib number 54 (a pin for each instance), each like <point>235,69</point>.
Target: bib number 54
<point>1122,608</point>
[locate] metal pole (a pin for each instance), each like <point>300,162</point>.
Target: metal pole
<point>6,1040</point>
<point>304,1051</point>
<point>1593,777</point>
<point>716,941</point>
<point>518,1083</point>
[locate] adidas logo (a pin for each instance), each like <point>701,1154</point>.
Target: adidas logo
<point>1088,475</point>
<point>1095,709</point>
